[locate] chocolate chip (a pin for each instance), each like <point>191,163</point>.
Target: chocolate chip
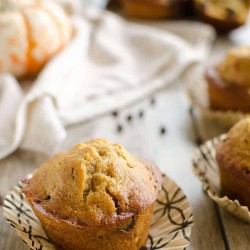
<point>119,128</point>
<point>144,248</point>
<point>48,197</point>
<point>115,113</point>
<point>162,130</point>
<point>152,102</point>
<point>131,225</point>
<point>1,200</point>
<point>129,118</point>
<point>73,173</point>
<point>141,114</point>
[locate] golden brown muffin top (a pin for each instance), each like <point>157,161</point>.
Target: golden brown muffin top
<point>94,182</point>
<point>232,10</point>
<point>235,69</point>
<point>234,151</point>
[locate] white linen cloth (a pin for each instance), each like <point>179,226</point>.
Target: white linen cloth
<point>108,64</point>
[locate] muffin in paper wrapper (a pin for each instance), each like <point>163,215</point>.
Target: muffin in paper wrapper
<point>198,94</point>
<point>170,226</point>
<point>206,169</point>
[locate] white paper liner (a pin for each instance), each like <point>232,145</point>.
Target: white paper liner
<point>198,94</point>
<point>170,227</point>
<point>206,169</point>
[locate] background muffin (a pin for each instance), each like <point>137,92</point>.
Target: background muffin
<point>235,69</point>
<point>229,82</point>
<point>152,9</point>
<point>223,15</point>
<point>95,196</point>
<point>233,159</point>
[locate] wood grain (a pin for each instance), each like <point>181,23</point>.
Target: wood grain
<point>237,232</point>
<point>12,169</point>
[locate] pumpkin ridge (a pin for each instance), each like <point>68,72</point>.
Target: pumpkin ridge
<point>32,65</point>
<point>32,33</point>
<point>59,28</point>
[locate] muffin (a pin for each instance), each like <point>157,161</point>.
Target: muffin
<point>95,196</point>
<point>152,9</point>
<point>229,82</point>
<point>233,159</point>
<point>223,15</point>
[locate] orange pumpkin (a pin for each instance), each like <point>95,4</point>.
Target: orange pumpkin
<point>31,32</point>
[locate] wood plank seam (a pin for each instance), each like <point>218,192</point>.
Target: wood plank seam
<point>198,141</point>
<point>223,231</point>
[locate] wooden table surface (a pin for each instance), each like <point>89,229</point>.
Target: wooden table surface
<point>160,128</point>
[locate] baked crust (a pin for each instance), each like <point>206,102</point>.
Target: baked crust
<point>235,69</point>
<point>150,9</point>
<point>224,95</point>
<point>93,194</point>
<point>129,233</point>
<point>223,15</point>
<point>233,158</point>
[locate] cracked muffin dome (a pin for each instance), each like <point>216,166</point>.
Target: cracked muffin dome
<point>235,69</point>
<point>233,159</point>
<point>97,185</point>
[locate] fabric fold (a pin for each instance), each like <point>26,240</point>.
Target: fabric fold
<point>109,63</point>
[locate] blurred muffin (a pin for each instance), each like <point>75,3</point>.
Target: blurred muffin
<point>152,9</point>
<point>95,196</point>
<point>233,159</point>
<point>223,15</point>
<point>236,67</point>
<point>114,4</point>
<point>229,82</point>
